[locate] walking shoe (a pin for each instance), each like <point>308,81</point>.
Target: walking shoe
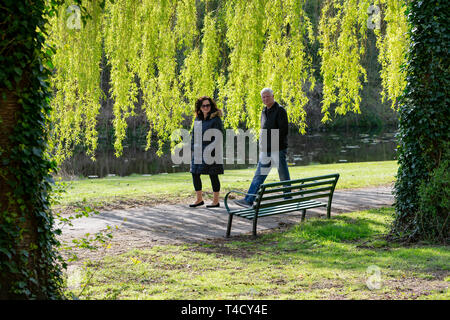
<point>213,205</point>
<point>243,203</point>
<point>197,204</point>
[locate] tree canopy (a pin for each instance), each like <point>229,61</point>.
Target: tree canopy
<point>169,52</point>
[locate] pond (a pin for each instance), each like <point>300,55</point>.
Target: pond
<point>314,148</point>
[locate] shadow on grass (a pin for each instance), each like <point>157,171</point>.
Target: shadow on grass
<point>349,241</point>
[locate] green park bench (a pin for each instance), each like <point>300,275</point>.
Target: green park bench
<point>286,196</point>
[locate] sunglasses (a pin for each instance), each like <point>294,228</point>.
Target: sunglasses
<point>206,105</point>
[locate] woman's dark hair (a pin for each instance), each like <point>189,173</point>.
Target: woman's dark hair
<point>198,106</point>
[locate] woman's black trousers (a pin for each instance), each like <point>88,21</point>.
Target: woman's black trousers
<point>214,182</point>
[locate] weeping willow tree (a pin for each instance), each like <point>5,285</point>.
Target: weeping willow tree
<point>343,36</point>
<point>173,51</point>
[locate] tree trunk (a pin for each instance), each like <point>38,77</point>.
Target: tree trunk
<point>15,215</point>
<point>421,190</point>
<point>29,267</point>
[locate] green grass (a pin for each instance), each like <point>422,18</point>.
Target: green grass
<point>318,259</point>
<point>175,186</point>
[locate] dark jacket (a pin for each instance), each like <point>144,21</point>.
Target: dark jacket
<point>213,121</point>
<point>274,118</point>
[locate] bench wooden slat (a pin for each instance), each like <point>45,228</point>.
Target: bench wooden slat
<point>299,186</point>
<point>298,193</point>
<point>243,211</point>
<point>317,205</point>
<point>251,211</point>
<point>294,200</point>
<point>272,184</point>
<point>282,209</point>
<point>262,210</point>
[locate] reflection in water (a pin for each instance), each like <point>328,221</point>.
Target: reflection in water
<point>320,148</point>
<point>342,147</point>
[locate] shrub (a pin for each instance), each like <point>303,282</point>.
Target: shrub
<point>432,217</point>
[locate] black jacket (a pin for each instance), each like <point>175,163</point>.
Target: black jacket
<point>274,118</point>
<point>213,121</point>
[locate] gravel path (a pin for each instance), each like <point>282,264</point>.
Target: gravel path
<point>164,224</point>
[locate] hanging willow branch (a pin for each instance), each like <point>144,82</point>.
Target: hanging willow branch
<point>172,51</point>
<point>76,80</point>
<point>393,44</point>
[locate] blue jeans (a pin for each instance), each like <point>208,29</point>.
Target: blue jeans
<point>265,163</point>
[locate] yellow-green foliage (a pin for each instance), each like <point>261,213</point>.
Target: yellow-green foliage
<point>76,80</point>
<point>342,35</point>
<point>392,45</point>
<point>343,29</point>
<point>173,51</point>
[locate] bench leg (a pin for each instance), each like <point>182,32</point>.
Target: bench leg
<point>230,220</point>
<point>254,227</point>
<point>303,214</point>
<point>329,205</point>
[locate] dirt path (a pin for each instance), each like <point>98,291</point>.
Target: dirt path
<point>166,224</point>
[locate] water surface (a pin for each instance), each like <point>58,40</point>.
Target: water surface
<point>315,148</point>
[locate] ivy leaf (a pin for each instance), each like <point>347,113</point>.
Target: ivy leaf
<point>6,252</point>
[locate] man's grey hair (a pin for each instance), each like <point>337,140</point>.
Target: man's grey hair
<point>267,90</point>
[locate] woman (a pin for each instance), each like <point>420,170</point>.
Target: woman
<point>208,115</point>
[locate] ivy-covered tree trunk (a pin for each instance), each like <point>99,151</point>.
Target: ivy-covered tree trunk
<point>423,181</point>
<point>29,263</point>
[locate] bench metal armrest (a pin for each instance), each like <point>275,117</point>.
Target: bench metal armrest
<point>235,191</point>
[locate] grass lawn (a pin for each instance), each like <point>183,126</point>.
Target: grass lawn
<point>318,259</point>
<point>174,187</point>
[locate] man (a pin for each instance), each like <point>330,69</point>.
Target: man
<point>273,120</point>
